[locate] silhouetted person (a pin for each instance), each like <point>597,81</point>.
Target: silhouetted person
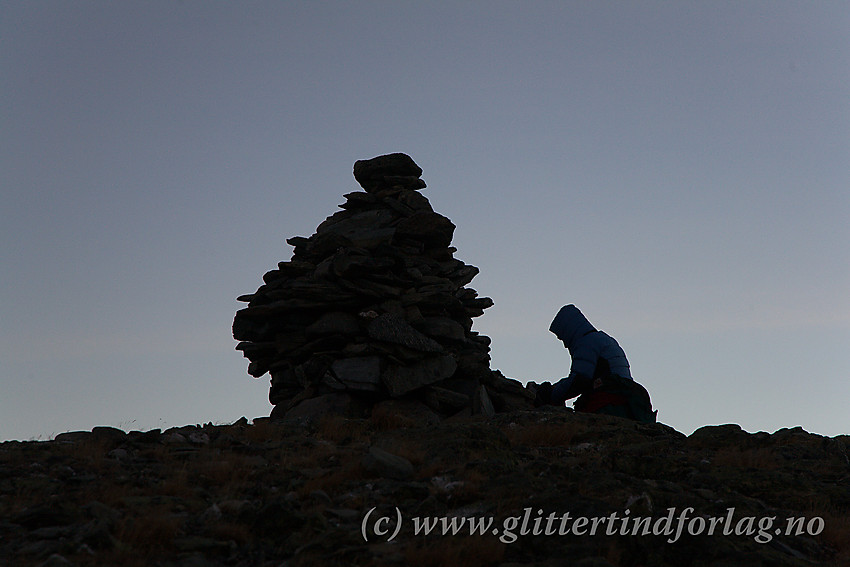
<point>599,373</point>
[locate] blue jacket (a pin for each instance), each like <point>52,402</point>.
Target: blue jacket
<point>587,345</point>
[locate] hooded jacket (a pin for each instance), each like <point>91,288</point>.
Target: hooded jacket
<point>587,345</point>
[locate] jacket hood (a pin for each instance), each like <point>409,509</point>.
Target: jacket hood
<point>570,324</point>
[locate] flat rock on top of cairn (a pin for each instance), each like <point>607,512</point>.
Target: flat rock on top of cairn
<point>388,170</point>
<point>373,306</point>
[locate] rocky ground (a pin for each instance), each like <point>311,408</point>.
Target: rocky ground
<point>297,493</point>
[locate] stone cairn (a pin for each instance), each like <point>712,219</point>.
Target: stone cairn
<point>373,307</point>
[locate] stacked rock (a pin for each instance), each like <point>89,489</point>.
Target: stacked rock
<point>374,306</point>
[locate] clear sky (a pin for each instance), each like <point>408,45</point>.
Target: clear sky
<point>678,170</point>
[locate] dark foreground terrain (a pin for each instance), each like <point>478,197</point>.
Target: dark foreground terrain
<point>546,487</point>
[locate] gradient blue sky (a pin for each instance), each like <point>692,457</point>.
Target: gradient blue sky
<point>678,170</point>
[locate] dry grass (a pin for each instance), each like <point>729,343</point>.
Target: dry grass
<point>338,429</point>
<point>758,458</point>
<point>384,418</point>
<point>471,487</point>
<point>227,473</point>
<point>429,470</point>
<point>160,491</point>
<point>177,483</point>
<point>153,531</point>
<point>836,531</point>
<point>410,449</point>
<point>454,551</point>
<point>351,469</point>
<point>231,531</point>
<point>307,454</point>
<point>614,554</point>
<point>543,435</point>
<point>260,432</point>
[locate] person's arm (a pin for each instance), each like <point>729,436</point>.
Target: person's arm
<point>580,378</point>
